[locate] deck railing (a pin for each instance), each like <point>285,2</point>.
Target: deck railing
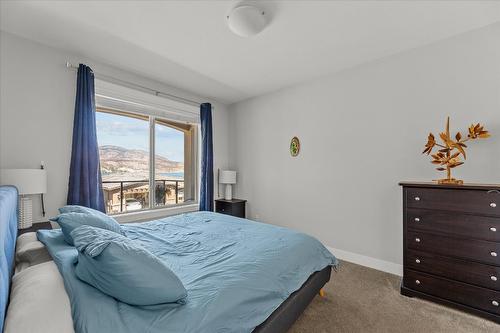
<point>164,182</point>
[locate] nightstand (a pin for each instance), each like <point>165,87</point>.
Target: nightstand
<point>234,207</point>
<point>35,227</point>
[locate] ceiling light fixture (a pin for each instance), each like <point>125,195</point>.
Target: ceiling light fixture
<point>246,20</point>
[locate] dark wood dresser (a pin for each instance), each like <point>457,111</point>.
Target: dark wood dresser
<point>234,207</point>
<point>451,245</point>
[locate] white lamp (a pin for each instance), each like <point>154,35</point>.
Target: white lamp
<point>228,177</point>
<point>27,181</point>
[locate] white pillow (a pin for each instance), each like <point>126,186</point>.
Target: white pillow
<point>38,302</point>
<point>25,238</point>
<point>30,251</point>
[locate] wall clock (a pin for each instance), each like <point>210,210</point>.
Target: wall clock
<point>294,146</point>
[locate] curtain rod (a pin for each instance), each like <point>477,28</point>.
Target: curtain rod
<point>130,84</point>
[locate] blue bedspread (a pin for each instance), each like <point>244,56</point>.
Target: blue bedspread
<point>236,272</point>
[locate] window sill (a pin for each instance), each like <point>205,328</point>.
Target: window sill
<point>152,214</point>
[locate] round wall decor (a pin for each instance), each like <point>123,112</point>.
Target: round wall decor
<point>294,146</point>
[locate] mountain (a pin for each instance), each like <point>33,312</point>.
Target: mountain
<point>134,163</point>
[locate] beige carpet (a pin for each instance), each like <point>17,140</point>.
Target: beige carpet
<point>361,299</point>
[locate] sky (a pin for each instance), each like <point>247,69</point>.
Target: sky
<point>133,133</point>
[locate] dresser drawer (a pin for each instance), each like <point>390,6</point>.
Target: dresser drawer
<point>463,293</point>
<point>468,201</point>
<point>477,250</point>
<point>457,269</point>
<point>463,225</point>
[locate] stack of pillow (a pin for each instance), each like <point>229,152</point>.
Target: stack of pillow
<point>115,264</point>
<point>72,217</point>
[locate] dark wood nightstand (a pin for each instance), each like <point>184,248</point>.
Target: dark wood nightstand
<point>234,207</point>
<point>35,227</point>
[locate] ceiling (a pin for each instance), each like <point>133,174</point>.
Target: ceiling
<point>188,45</point>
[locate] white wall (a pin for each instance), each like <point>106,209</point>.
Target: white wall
<point>37,97</point>
<point>362,131</point>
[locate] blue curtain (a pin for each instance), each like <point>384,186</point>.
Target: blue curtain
<point>85,185</point>
<point>207,159</point>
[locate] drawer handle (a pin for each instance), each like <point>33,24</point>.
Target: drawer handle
<point>417,261</point>
<point>493,191</point>
<point>494,303</point>
<point>417,281</point>
<point>493,229</point>
<point>418,241</point>
<point>493,254</point>
<point>417,198</point>
<point>417,219</point>
<point>493,278</point>
<point>493,205</point>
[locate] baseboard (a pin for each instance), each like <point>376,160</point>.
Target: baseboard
<point>378,264</point>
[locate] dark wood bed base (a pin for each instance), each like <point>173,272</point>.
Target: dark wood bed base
<point>290,310</point>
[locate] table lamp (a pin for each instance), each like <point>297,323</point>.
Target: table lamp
<point>228,177</point>
<point>28,182</point>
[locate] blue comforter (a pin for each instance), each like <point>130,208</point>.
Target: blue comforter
<point>236,272</point>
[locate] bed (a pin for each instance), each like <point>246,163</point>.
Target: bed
<point>236,281</point>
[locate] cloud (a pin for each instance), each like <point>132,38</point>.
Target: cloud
<point>121,128</point>
<point>133,133</point>
<point>168,133</point>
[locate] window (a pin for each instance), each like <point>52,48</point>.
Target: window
<point>141,152</point>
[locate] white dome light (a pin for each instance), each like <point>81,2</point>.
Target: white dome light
<point>246,20</point>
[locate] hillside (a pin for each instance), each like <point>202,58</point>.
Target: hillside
<point>117,160</point>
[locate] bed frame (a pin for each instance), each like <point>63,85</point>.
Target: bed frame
<point>291,309</point>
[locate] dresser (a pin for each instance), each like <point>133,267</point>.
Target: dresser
<point>234,207</point>
<point>451,245</point>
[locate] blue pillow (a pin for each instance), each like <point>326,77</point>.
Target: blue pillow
<point>70,221</point>
<point>119,267</point>
<point>83,209</point>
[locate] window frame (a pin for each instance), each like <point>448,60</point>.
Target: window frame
<point>164,121</point>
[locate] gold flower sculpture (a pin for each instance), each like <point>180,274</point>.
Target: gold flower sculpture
<point>448,156</point>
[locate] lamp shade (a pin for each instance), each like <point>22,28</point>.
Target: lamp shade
<point>27,181</point>
<point>227,177</point>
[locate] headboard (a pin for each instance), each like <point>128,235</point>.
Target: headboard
<point>8,236</point>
